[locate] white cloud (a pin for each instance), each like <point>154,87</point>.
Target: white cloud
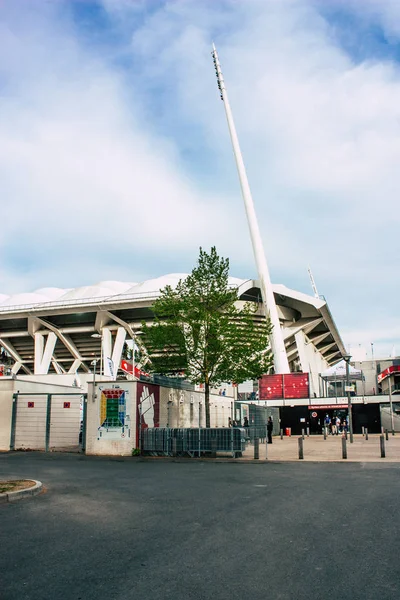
<point>82,171</point>
<point>320,135</point>
<point>99,161</point>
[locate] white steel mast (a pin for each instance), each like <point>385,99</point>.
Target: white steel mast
<point>281,364</point>
<point>313,285</point>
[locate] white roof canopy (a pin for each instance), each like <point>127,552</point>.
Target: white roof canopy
<point>338,373</point>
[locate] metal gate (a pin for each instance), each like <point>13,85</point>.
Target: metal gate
<point>49,422</point>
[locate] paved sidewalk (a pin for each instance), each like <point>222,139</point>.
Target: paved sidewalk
<point>318,449</point>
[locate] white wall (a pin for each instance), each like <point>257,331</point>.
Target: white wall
<point>30,422</point>
<point>65,422</point>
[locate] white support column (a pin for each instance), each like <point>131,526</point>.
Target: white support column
<point>106,347</point>
<point>118,347</point>
<point>110,352</point>
<point>64,338</point>
<point>75,366</point>
<point>39,347</point>
<point>44,352</point>
<point>301,349</point>
<point>16,367</point>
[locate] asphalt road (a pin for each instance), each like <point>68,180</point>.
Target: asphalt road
<point>111,529</point>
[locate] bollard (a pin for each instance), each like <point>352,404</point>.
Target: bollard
<point>387,434</point>
<point>362,430</point>
<point>344,447</point>
<point>302,433</point>
<point>256,448</point>
<point>281,434</point>
<point>324,433</point>
<point>308,432</point>
<point>301,450</point>
<point>366,433</point>
<point>383,454</point>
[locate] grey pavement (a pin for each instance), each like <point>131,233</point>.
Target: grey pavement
<point>111,529</point>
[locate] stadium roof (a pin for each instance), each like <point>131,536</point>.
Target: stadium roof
<point>70,317</point>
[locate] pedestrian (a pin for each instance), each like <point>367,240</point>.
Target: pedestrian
<point>337,425</point>
<point>229,422</point>
<point>270,427</point>
<point>345,425</point>
<point>327,422</point>
<point>245,422</point>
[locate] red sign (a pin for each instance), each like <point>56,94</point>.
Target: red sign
<point>290,386</point>
<point>31,405</point>
<point>388,371</point>
<point>270,387</point>
<point>127,367</point>
<point>326,406</point>
<point>295,385</point>
<point>67,404</point>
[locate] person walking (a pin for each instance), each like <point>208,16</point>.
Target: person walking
<point>333,425</point>
<point>327,423</point>
<point>270,427</point>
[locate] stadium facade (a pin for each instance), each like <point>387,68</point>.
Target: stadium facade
<point>54,331</point>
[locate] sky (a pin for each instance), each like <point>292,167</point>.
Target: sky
<point>116,163</point>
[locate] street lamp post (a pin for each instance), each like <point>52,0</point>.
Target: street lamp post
<point>391,405</point>
<point>93,363</point>
<point>347,358</point>
<point>99,336</point>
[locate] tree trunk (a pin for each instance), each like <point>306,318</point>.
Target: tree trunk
<point>207,402</point>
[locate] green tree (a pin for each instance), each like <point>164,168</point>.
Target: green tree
<point>201,329</point>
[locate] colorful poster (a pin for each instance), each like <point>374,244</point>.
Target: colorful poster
<point>114,413</point>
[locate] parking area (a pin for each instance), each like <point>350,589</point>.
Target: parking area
<point>110,529</point>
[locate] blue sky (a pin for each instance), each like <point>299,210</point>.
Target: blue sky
<point>115,158</point>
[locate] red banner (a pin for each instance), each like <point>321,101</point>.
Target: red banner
<point>388,371</point>
<point>127,367</point>
<point>326,406</point>
<point>295,385</point>
<point>290,386</point>
<point>270,387</point>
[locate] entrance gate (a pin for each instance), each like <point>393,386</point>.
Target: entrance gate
<point>49,422</point>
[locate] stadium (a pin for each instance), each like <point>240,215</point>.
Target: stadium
<point>60,332</point>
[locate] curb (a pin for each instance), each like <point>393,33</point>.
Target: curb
<point>20,494</point>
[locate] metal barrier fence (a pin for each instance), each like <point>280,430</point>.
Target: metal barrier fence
<point>255,432</point>
<point>193,442</point>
